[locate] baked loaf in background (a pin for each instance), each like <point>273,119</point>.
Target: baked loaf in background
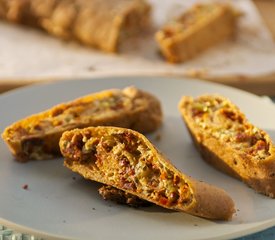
<point>199,28</point>
<point>229,142</point>
<point>103,24</point>
<point>37,136</point>
<point>125,159</point>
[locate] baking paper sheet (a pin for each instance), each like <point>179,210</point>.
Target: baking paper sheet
<point>27,53</point>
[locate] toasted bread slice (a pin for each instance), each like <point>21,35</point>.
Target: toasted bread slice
<point>122,197</point>
<point>229,142</point>
<point>37,136</point>
<point>199,28</point>
<point>125,159</point>
<point>103,24</point>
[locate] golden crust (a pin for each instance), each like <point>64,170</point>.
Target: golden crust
<point>125,159</point>
<point>99,23</point>
<point>229,142</point>
<point>37,136</point>
<point>192,32</point>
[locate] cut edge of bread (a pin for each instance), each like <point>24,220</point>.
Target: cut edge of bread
<point>206,201</point>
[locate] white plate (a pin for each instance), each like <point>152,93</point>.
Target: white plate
<point>61,204</point>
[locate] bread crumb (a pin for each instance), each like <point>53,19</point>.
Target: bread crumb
<point>158,136</point>
<point>197,72</point>
<point>91,68</point>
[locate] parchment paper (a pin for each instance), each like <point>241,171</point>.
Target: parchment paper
<point>30,54</point>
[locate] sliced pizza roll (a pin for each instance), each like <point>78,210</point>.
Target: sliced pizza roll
<point>125,159</point>
<point>229,142</point>
<point>37,136</point>
<point>103,24</point>
<point>201,27</point>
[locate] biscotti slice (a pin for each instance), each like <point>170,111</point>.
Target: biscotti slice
<point>229,142</point>
<point>37,136</point>
<point>197,29</point>
<point>103,24</point>
<point>122,197</point>
<point>125,159</point>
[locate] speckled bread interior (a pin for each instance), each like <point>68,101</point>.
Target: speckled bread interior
<point>125,159</point>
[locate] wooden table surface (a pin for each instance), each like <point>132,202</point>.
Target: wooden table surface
<point>265,84</point>
<point>262,84</point>
<point>267,10</point>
